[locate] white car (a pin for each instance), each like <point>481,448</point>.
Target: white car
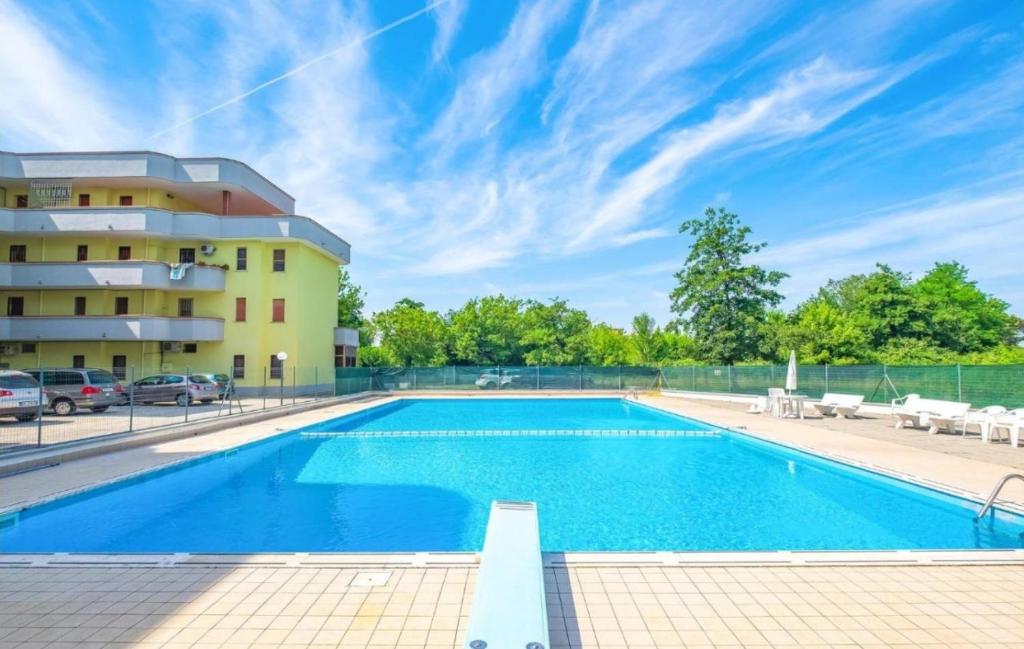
<point>19,395</point>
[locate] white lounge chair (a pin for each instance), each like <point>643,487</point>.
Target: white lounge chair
<point>840,405</point>
<point>1012,422</point>
<point>905,410</point>
<point>945,415</point>
<point>916,412</point>
<point>982,419</point>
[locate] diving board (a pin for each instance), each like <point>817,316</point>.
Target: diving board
<point>508,604</point>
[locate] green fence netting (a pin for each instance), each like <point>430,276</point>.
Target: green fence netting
<point>980,385</point>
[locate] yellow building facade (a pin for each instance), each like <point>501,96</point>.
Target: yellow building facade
<point>144,263</point>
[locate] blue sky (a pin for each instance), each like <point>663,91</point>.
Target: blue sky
<point>551,148</point>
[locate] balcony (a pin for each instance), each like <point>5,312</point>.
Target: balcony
<point>346,336</point>
<point>109,274</point>
<point>155,222</point>
<point>200,179</point>
<point>114,328</point>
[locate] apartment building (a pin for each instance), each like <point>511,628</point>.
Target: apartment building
<point>144,263</point>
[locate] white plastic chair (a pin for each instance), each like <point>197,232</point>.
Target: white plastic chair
<point>1012,422</point>
<point>983,419</point>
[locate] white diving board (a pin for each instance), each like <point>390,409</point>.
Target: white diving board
<point>508,610</point>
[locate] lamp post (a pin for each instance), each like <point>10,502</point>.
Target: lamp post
<point>282,356</point>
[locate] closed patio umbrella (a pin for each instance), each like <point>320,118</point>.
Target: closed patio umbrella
<point>791,372</point>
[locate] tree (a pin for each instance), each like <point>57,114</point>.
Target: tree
<point>555,334</point>
<point>487,331</point>
<point>350,301</point>
<point>881,304</point>
<point>411,335</point>
<point>609,346</point>
<point>374,357</point>
<point>960,317</point>
<point>646,338</point>
<point>821,333</point>
<point>722,300</point>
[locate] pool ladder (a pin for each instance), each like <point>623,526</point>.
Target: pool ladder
<point>995,492</point>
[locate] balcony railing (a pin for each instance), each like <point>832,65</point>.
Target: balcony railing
<point>154,222</point>
<point>121,328</point>
<point>109,274</point>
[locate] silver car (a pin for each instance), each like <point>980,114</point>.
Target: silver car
<point>19,395</point>
<point>69,389</point>
<point>163,388</point>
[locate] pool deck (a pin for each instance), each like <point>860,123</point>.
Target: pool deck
<point>611,601</point>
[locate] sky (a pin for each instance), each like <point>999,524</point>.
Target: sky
<point>551,148</point>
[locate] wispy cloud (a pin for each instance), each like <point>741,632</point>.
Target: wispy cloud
<point>572,135</point>
<point>448,17</point>
<point>980,228</point>
<point>49,101</point>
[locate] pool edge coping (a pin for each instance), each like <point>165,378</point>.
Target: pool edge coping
<point>595,558</point>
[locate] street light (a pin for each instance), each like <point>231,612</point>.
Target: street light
<point>282,356</point>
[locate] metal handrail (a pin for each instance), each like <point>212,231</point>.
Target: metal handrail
<point>995,492</point>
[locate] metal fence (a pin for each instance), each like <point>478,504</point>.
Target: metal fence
<point>980,385</point>
<point>70,406</point>
<point>461,377</point>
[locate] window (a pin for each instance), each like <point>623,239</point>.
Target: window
<point>15,306</point>
<point>345,356</point>
<point>79,306</point>
<point>119,366</point>
<point>241,259</point>
<point>77,361</point>
<point>124,253</point>
<point>65,377</point>
<point>184,307</point>
<point>83,253</point>
<point>277,310</point>
<point>190,348</point>
<point>187,255</point>
<point>121,305</point>
<point>17,254</point>
<point>278,261</point>
<point>21,200</point>
<point>83,200</point>
<point>276,367</point>
<point>28,348</point>
<point>125,201</point>
<point>238,367</point>
<point>239,309</point>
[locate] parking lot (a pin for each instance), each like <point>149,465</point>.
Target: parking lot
<point>84,424</point>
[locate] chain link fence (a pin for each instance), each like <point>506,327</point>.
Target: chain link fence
<point>46,406</point>
<point>980,385</point>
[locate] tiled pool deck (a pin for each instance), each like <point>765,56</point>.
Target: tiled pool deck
<point>269,603</point>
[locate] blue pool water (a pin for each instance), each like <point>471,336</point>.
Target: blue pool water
<point>367,492</point>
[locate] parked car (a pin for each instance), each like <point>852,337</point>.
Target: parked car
<point>19,395</point>
<point>67,389</point>
<point>164,388</point>
<point>490,380</point>
<point>225,386</point>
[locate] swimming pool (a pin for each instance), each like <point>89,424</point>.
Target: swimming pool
<point>386,482</point>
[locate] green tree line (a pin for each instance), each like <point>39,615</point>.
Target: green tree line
<point>726,312</point>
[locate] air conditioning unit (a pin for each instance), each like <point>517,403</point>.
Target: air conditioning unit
<point>170,347</point>
<point>9,350</point>
<point>207,249</point>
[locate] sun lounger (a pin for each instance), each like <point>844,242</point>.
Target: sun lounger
<point>840,405</point>
<point>915,412</point>
<point>1012,422</point>
<point>945,415</point>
